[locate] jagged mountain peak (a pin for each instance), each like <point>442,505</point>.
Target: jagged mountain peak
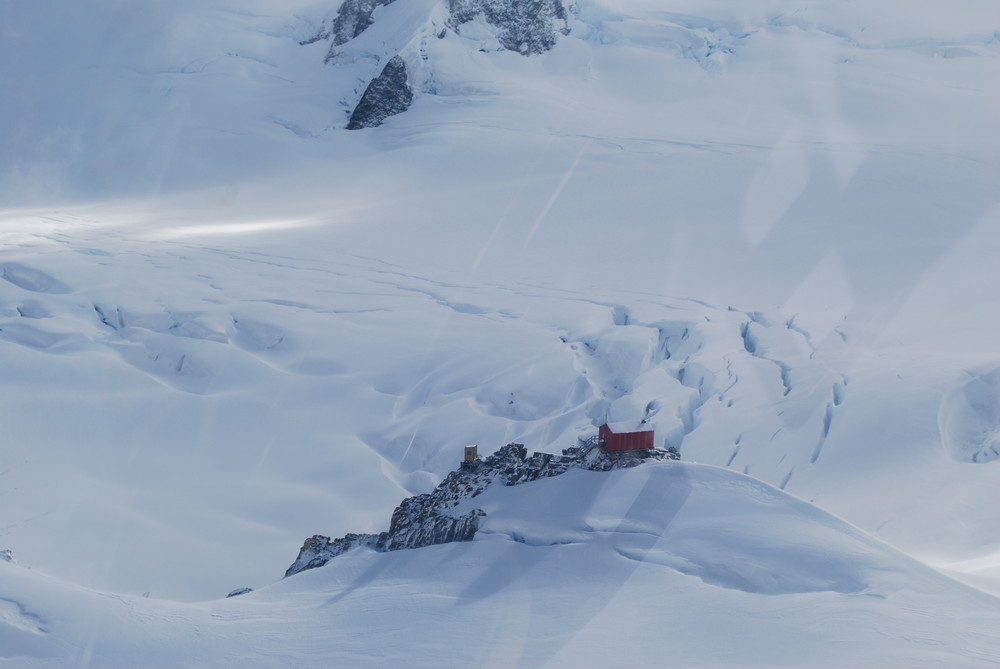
<point>524,26</point>
<point>528,27</point>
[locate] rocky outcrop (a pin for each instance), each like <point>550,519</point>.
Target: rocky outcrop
<point>353,17</point>
<point>387,95</point>
<point>318,550</point>
<point>417,523</point>
<point>525,26</point>
<point>422,520</point>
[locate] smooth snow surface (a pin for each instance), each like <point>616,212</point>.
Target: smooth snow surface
<point>766,229</point>
<point>623,569</point>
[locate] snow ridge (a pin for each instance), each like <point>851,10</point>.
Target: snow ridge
<point>421,520</point>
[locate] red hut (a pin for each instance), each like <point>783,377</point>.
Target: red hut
<point>624,441</point>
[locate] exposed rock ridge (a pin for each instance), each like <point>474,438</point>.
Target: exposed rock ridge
<point>388,94</point>
<point>421,520</point>
<point>353,17</point>
<point>525,26</point>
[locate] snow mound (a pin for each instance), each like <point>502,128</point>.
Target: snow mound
<point>969,417</point>
<point>724,528</point>
<point>691,562</point>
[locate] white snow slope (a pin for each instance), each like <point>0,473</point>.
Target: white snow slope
<point>667,564</point>
<point>766,229</point>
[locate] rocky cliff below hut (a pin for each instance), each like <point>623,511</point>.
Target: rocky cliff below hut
<point>423,520</point>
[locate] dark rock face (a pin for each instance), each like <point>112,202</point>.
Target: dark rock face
<point>387,95</point>
<point>416,522</point>
<point>239,591</point>
<point>422,520</point>
<point>318,550</point>
<point>526,26</point>
<point>353,17</point>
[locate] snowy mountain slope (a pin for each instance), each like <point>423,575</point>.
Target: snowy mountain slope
<point>678,563</point>
<point>766,228</point>
<point>295,395</point>
<point>220,92</point>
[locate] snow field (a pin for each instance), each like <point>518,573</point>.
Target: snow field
<point>766,587</point>
<point>765,230</point>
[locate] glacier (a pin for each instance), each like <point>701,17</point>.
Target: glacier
<point>766,230</point>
